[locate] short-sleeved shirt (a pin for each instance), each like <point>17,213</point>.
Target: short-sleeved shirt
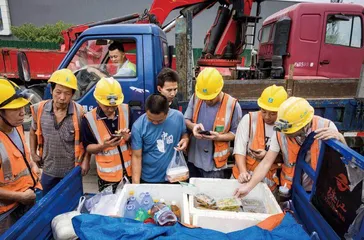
<point>127,69</point>
<point>15,137</point>
<point>88,136</point>
<point>58,141</point>
<point>174,104</point>
<point>157,143</point>
<point>201,151</point>
<point>242,136</point>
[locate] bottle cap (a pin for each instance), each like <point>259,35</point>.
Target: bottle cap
<point>130,207</point>
<point>131,192</point>
<point>162,200</point>
<point>155,200</point>
<point>284,189</point>
<point>174,203</point>
<point>146,202</point>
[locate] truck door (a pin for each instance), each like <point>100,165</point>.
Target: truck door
<point>89,59</point>
<point>341,53</point>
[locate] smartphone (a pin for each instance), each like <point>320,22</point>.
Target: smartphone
<point>115,135</point>
<point>204,132</point>
<point>254,151</point>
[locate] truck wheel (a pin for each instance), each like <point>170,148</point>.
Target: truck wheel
<point>38,96</point>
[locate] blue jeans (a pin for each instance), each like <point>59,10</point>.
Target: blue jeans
<point>48,182</point>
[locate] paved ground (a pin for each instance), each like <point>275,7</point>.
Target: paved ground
<point>90,180</point>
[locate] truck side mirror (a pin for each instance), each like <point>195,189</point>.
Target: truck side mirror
<point>23,67</point>
<point>260,35</point>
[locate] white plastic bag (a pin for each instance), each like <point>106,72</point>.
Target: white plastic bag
<point>91,202</point>
<point>106,206</point>
<point>177,170</point>
<point>62,227</point>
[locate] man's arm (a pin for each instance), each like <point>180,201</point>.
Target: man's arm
<point>33,144</point>
<point>25,198</point>
<point>136,165</point>
<point>259,173</point>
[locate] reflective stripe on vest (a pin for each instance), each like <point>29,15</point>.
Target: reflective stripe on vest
<point>23,173</point>
<point>111,156</point>
<point>223,118</point>
<point>5,163</point>
<point>288,146</point>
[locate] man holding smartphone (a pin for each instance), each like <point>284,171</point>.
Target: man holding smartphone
<point>213,117</point>
<point>253,137</point>
<point>105,132</point>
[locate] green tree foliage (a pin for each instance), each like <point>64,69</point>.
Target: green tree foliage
<point>46,33</point>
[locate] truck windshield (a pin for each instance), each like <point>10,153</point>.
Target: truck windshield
<point>103,58</point>
<point>266,33</point>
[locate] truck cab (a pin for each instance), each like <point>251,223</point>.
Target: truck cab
<point>145,45</point>
<point>320,40</point>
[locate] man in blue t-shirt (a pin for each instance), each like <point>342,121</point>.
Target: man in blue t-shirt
<point>155,135</point>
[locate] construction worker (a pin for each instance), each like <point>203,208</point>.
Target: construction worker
<point>19,175</point>
<point>167,85</point>
<point>55,131</point>
<point>106,134</point>
<point>295,121</point>
<point>213,117</point>
<point>155,136</point>
<point>253,136</point>
<point>125,68</point>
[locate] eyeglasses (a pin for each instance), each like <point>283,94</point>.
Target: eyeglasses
<point>18,94</point>
<point>281,125</point>
<point>112,99</point>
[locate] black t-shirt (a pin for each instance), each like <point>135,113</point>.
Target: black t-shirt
<point>111,124</point>
<point>174,104</point>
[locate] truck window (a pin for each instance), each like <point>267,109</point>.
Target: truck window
<point>266,33</point>
<point>344,32</point>
<point>103,58</point>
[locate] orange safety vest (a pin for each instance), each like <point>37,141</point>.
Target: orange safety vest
<point>109,163</point>
<point>78,113</point>
<point>257,141</point>
<point>15,172</point>
<point>290,148</point>
<point>223,119</point>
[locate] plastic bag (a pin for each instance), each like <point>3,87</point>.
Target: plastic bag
<point>228,204</point>
<point>177,170</point>
<point>253,206</point>
<point>62,227</point>
<point>205,201</point>
<point>91,202</point>
<point>106,206</point>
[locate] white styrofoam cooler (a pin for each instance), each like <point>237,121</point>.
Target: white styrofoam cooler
<point>170,192</point>
<point>224,220</point>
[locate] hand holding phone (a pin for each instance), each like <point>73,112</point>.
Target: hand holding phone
<point>205,133</point>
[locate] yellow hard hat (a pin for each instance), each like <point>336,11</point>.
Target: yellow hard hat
<point>64,77</point>
<point>11,96</point>
<point>209,84</point>
<point>272,97</point>
<point>108,92</point>
<point>293,114</point>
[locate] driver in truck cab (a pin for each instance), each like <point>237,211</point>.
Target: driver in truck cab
<point>19,175</point>
<point>125,68</point>
<point>295,121</point>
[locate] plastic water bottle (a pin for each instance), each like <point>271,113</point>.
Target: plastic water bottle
<point>147,205</point>
<point>130,211</point>
<point>133,201</point>
<point>146,196</point>
<point>175,209</point>
<point>162,215</point>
